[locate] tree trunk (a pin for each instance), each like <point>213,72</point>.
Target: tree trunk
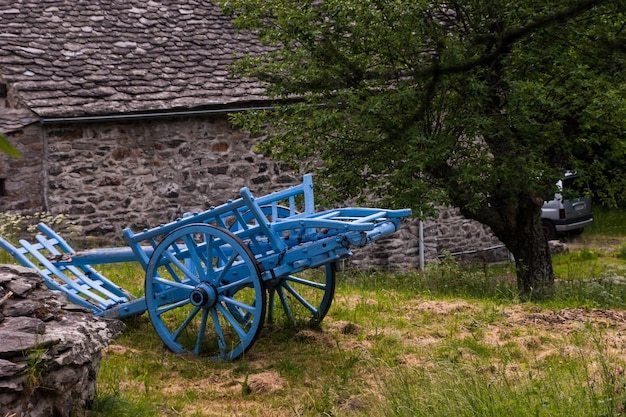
<point>519,228</point>
<point>533,261</point>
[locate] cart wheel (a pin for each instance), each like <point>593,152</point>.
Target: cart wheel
<point>204,293</point>
<point>305,297</point>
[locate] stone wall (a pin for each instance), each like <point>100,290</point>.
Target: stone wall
<point>466,239</point>
<point>109,175</point>
<point>450,233</point>
<point>399,251</point>
<point>21,180</point>
<point>50,351</point>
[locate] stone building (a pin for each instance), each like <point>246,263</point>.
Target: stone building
<point>119,109</point>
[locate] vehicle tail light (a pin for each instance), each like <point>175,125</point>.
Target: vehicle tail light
<point>561,213</point>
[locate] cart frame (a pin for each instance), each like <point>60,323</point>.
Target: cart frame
<point>213,277</point>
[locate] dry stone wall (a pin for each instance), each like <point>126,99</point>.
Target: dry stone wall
<point>450,234</point>
<point>105,177</point>
<point>50,351</point>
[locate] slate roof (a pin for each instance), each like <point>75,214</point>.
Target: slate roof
<point>15,119</point>
<point>69,58</point>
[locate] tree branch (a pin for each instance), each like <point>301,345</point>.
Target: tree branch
<point>511,36</point>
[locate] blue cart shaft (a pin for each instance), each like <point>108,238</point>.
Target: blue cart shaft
<point>102,256</point>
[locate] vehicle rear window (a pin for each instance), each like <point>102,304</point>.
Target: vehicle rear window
<point>574,187</point>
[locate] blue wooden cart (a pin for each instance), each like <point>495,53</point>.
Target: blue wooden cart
<point>211,278</point>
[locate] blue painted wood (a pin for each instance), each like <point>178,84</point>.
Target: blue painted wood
<point>204,293</point>
<point>278,235</point>
<point>21,255</point>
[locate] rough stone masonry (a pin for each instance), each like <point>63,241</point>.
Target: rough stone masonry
<point>50,350</point>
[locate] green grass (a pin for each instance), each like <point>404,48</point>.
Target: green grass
<point>592,272</point>
<point>388,349</point>
<point>453,341</point>
<point>608,224</point>
<point>393,345</point>
<point>563,387</point>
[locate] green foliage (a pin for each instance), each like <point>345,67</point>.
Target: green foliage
<point>6,147</point>
<point>621,253</point>
<point>394,94</point>
<point>479,104</point>
<point>608,224</point>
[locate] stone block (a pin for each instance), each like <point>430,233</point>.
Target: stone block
<point>67,342</point>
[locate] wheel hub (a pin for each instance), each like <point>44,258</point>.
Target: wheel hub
<point>203,295</point>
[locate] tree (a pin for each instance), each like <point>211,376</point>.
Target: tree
<point>482,104</point>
